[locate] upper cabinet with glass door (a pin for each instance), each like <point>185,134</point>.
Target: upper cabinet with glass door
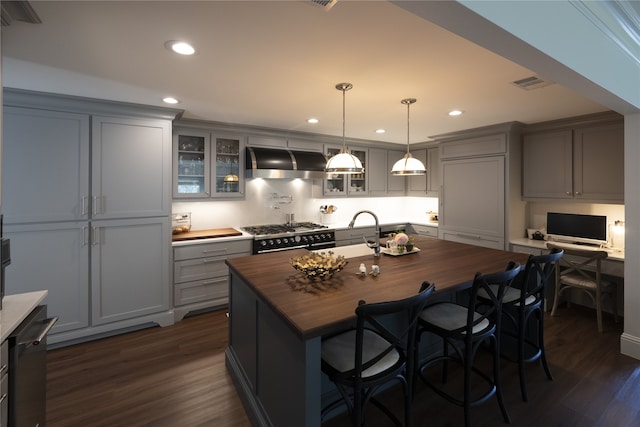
<point>207,165</point>
<point>349,184</point>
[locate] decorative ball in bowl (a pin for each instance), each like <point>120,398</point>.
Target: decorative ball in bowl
<point>319,266</point>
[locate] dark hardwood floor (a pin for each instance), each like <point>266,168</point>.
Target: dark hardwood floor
<point>175,376</point>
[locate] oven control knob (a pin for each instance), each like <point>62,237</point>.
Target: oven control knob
<point>278,242</point>
<point>285,240</point>
<point>297,239</point>
<point>270,242</point>
<point>263,243</point>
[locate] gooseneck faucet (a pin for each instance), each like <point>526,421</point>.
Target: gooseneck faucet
<point>375,246</point>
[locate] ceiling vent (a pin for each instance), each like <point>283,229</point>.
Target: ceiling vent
<point>18,11</point>
<point>326,4</point>
<point>530,83</point>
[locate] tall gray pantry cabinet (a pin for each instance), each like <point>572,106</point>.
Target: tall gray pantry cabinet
<point>86,203</point>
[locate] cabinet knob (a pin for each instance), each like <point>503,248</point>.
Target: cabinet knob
<point>568,193</point>
<point>578,193</point>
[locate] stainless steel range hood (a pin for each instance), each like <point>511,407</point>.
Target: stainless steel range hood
<point>264,162</point>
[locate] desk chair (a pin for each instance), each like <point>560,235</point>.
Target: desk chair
<point>362,360</point>
<point>582,271</point>
<point>521,301</point>
<point>465,329</point>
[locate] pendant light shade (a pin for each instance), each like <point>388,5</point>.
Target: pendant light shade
<point>408,165</point>
<point>344,162</point>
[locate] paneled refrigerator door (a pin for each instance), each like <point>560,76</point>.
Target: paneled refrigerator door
<point>131,168</point>
<point>130,283</point>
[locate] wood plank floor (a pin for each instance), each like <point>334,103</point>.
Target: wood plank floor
<point>175,376</point>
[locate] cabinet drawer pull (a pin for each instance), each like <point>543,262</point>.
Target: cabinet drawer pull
<point>4,369</point>
<point>211,282</point>
<point>209,260</point>
<point>3,397</point>
<point>222,251</point>
<point>83,202</point>
<point>84,236</point>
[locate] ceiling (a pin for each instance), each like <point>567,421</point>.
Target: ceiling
<point>276,63</point>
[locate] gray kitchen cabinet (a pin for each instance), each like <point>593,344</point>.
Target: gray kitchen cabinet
<point>203,162</point>
<point>45,181</point>
<point>200,274</point>
<point>583,163</point>
<point>102,250</point>
<point>300,144</point>
<point>381,182</point>
<point>130,167</point>
<point>355,235</point>
<point>53,256</point>
<point>479,181</point>
<point>428,184</point>
<point>350,184</point>
<point>131,283</point>
<point>266,141</point>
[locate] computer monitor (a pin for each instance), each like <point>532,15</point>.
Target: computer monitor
<point>577,228</point>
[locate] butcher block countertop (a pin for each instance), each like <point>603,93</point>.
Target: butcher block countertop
<point>450,265</point>
<point>206,234</point>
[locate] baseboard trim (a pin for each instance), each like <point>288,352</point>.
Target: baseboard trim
<point>630,345</point>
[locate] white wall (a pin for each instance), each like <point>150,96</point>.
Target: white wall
<point>266,202</point>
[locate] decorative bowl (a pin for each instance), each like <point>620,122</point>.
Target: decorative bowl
<point>319,266</point>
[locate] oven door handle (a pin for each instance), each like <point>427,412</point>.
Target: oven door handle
<point>43,333</point>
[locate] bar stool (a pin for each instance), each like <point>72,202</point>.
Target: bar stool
<point>361,360</point>
<point>464,328</point>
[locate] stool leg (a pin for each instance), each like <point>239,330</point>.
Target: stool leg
<point>521,338</point>
<point>543,353</point>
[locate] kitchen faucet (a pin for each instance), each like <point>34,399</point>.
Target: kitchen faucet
<point>375,246</point>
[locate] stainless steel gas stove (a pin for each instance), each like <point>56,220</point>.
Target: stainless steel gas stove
<point>282,237</point>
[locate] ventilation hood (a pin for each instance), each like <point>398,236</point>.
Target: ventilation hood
<point>262,162</point>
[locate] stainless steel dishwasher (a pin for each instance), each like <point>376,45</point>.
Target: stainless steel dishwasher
<point>28,370</point>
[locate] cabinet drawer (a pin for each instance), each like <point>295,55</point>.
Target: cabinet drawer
<point>212,249</point>
<point>479,146</point>
<point>200,290</point>
<point>356,233</point>
<point>425,230</point>
<point>473,239</point>
<point>198,269</point>
<point>526,250</point>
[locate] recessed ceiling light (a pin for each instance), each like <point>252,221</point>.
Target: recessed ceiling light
<point>183,48</point>
<point>455,112</point>
<point>170,100</point>
<point>312,120</point>
<point>380,131</point>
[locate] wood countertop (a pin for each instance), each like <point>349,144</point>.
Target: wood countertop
<point>206,234</point>
<point>313,311</point>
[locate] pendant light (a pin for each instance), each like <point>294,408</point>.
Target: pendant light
<point>408,165</point>
<point>344,162</point>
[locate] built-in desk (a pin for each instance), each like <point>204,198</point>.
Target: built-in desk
<point>613,265</point>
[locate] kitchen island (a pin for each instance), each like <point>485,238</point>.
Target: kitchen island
<point>277,320</point>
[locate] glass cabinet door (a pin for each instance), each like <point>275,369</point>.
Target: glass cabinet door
<point>352,184</point>
<point>192,166</point>
<point>227,176</point>
<point>357,181</point>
